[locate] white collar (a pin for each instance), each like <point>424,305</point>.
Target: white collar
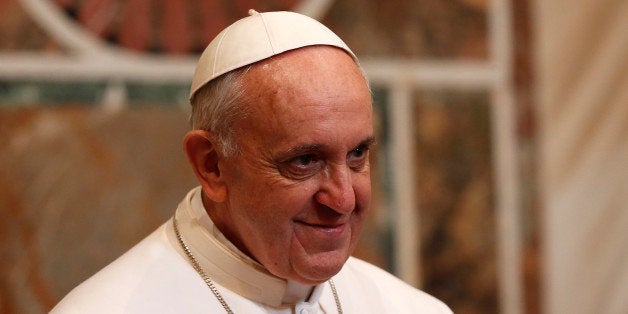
<point>230,267</point>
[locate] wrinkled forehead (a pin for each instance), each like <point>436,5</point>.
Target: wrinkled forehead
<point>258,37</point>
<point>322,79</point>
<point>312,63</point>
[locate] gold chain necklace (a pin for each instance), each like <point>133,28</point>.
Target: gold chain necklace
<point>210,283</point>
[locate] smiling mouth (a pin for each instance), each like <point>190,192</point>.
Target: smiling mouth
<point>328,230</point>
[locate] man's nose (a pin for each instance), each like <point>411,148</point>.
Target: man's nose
<point>336,190</point>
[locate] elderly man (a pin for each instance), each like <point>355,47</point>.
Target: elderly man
<point>282,120</point>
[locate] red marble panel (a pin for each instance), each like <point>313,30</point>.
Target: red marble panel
<point>19,32</point>
<point>78,187</point>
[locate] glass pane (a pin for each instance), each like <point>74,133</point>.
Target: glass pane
<point>455,197</point>
<point>450,29</point>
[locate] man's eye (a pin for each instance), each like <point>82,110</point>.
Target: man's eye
<point>358,152</point>
<point>303,161</point>
<point>357,158</point>
<point>302,167</point>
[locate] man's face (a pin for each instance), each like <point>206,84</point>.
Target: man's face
<point>298,192</point>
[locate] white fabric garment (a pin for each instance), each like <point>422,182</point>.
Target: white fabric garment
<point>156,277</point>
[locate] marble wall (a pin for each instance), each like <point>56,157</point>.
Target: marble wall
<point>78,187</point>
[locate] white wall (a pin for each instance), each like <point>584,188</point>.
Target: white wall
<point>582,98</point>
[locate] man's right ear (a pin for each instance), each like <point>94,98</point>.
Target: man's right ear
<point>203,157</point>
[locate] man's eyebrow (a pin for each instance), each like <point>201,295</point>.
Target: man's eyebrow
<point>308,148</point>
<point>368,142</point>
<point>304,148</point>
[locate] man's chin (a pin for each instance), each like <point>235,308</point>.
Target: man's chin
<point>318,268</point>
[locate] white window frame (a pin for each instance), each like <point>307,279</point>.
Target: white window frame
<point>401,78</point>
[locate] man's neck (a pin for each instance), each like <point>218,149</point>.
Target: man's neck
<point>213,248</point>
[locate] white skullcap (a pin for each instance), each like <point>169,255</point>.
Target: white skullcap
<point>257,37</point>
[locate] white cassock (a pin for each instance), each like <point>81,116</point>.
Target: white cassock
<point>156,276</point>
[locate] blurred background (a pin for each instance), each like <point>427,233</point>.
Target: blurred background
<point>500,174</point>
